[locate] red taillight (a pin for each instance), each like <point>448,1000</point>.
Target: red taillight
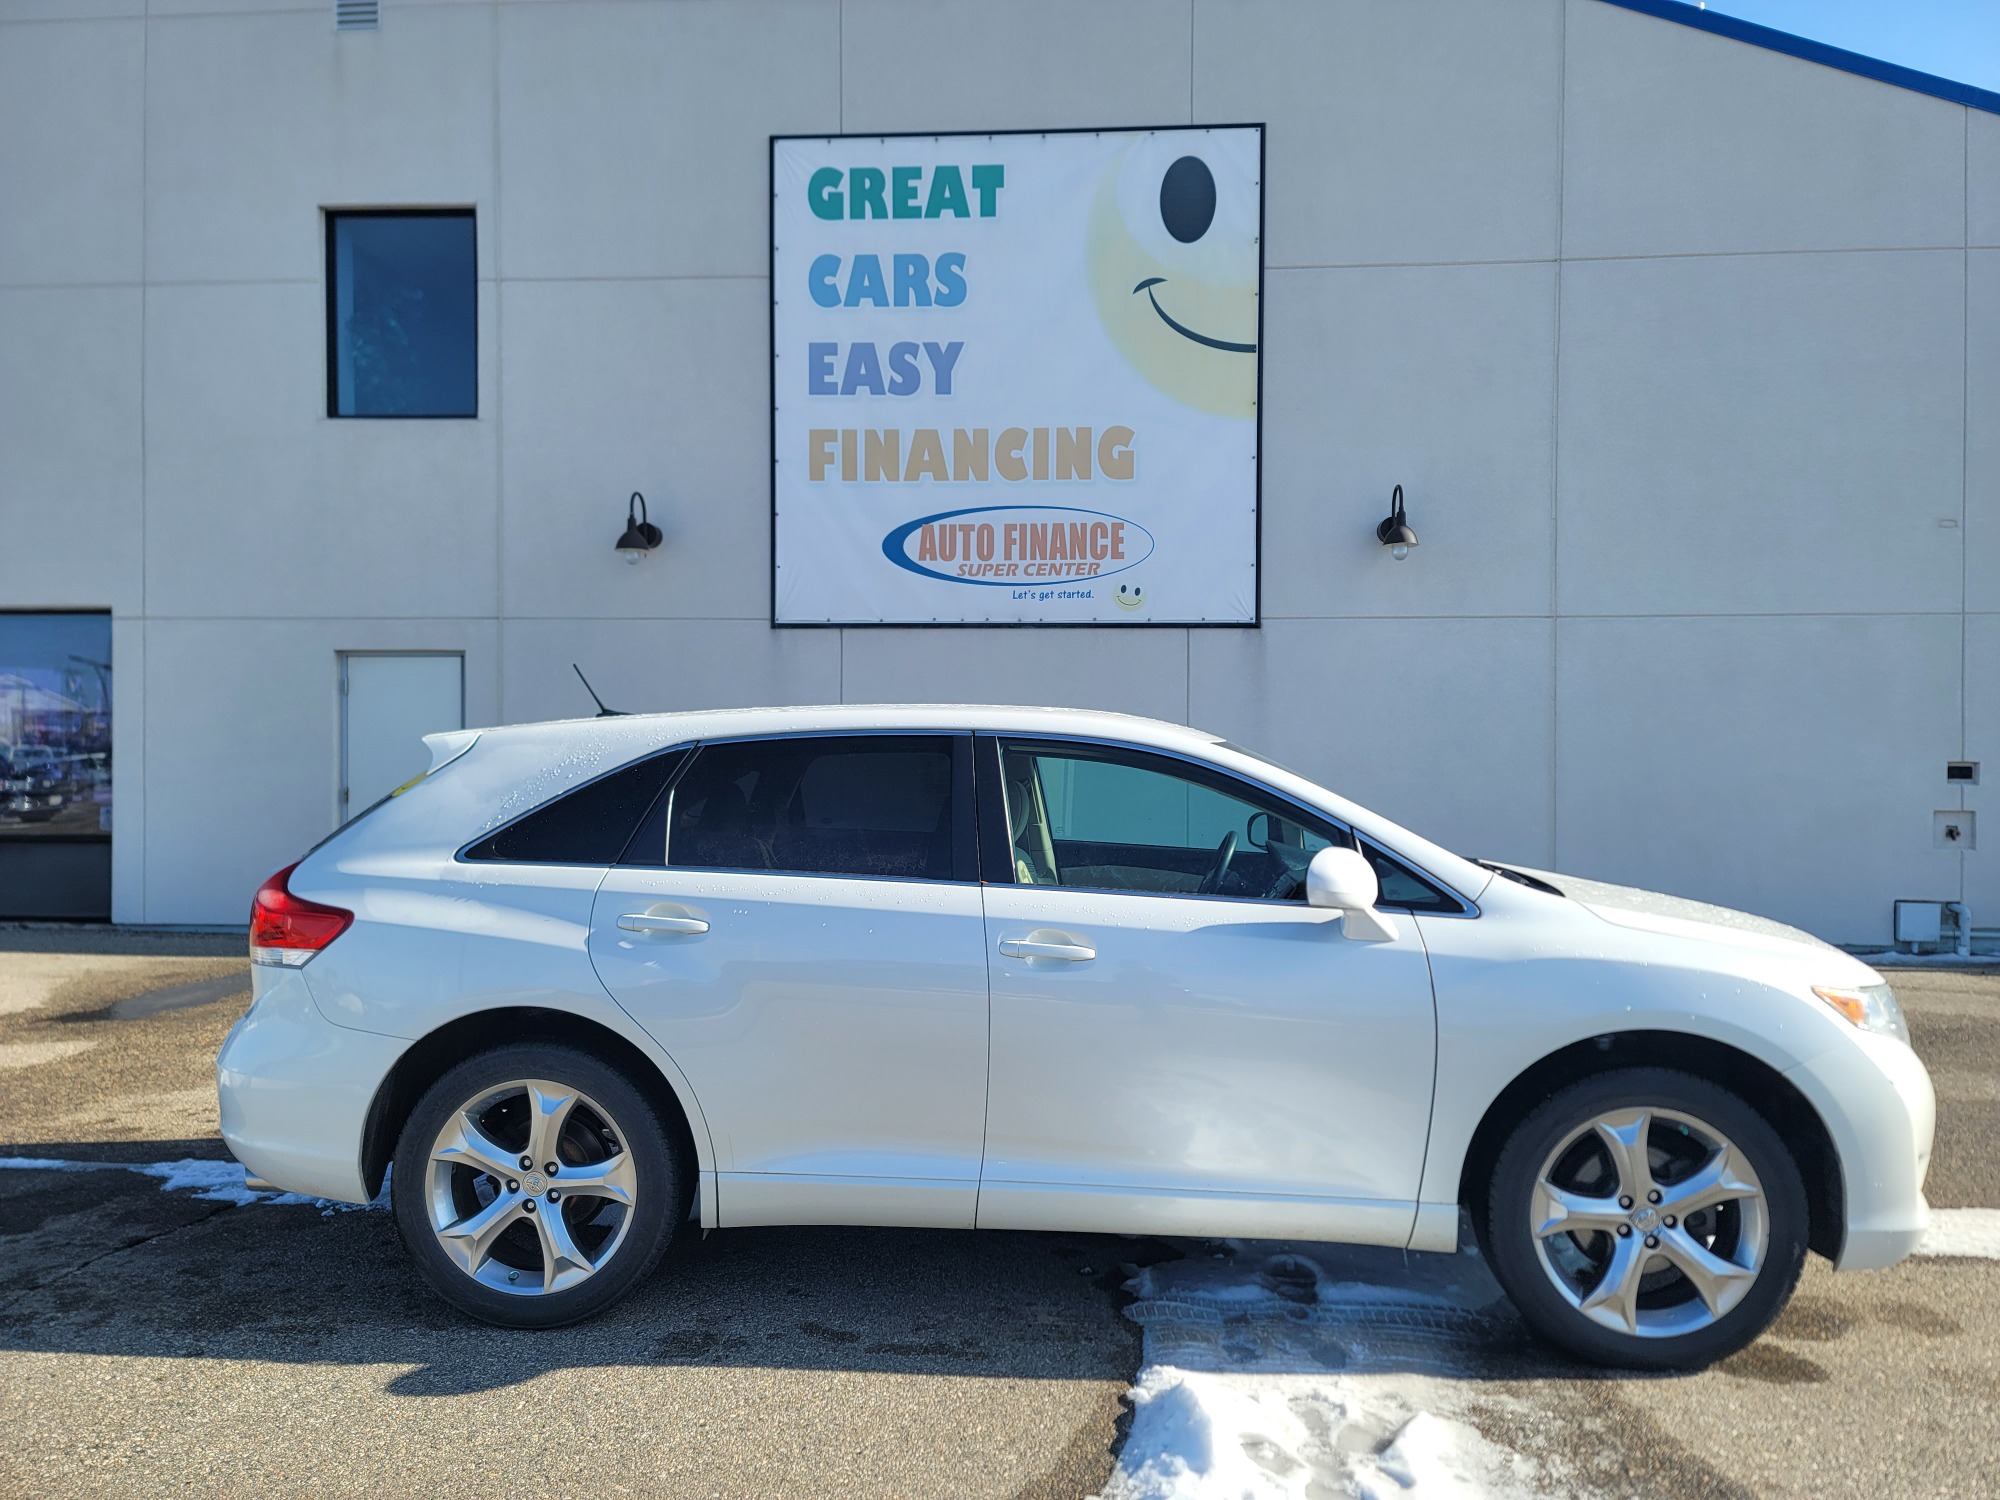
<point>287,929</point>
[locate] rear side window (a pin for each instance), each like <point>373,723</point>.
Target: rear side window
<point>588,826</point>
<point>881,805</point>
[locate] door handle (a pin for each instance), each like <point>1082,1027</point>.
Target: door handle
<point>1075,953</point>
<point>641,921</point>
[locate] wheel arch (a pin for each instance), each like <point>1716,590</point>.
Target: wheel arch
<point>1756,1082</point>
<point>431,1056</point>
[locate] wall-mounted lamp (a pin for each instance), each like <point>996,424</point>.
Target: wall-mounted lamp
<point>1394,533</point>
<point>641,536</point>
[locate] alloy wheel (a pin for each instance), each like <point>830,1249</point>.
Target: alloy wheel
<point>531,1187</point>
<point>1650,1222</point>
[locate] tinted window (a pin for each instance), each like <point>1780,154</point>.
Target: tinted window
<point>839,805</point>
<point>588,826</point>
<point>1404,887</point>
<point>1127,821</point>
<point>402,315</point>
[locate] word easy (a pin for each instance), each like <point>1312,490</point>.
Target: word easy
<point>864,369</point>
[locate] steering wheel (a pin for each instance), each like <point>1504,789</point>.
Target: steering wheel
<point>1224,853</point>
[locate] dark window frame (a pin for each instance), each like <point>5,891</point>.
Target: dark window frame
<point>965,842</point>
<point>331,218</point>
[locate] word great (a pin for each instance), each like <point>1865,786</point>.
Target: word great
<point>872,193</point>
<point>869,455</point>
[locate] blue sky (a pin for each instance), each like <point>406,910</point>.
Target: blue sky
<point>1958,39</point>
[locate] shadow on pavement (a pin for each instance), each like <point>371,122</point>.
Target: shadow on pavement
<point>104,1262</point>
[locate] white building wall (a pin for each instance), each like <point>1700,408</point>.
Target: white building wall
<point>1686,353</point>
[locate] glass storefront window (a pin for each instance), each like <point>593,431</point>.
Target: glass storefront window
<point>55,726</point>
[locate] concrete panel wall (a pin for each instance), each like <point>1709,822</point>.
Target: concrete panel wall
<point>1676,345</point>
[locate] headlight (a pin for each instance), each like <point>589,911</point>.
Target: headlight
<point>1872,1007</point>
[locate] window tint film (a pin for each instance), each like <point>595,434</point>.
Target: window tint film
<point>402,315</point>
<point>1404,887</point>
<point>1127,821</point>
<point>839,805</point>
<point>588,826</point>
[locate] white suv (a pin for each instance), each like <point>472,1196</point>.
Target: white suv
<point>585,983</point>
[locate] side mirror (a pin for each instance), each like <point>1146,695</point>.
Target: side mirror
<point>1342,880</point>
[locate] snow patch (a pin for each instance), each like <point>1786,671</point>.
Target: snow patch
<point>1963,1231</point>
<point>1319,1371</point>
<point>221,1181</point>
<point>1200,1435</point>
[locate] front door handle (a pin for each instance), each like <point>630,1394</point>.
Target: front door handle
<point>645,921</point>
<point>1075,953</point>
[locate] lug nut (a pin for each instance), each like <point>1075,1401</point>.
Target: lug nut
<point>1668,1221</point>
<point>554,1196</point>
<point>1652,1242</point>
<point>1624,1202</point>
<point>1654,1196</point>
<point>513,1186</point>
<point>1624,1231</point>
<point>550,1169</point>
<point>529,1206</point>
<point>527,1164</point>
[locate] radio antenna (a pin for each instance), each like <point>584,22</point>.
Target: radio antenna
<point>602,711</point>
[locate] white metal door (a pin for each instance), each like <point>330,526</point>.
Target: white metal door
<point>388,703</point>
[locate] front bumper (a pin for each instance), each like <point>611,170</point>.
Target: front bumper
<point>1876,1099</point>
<point>294,1090</point>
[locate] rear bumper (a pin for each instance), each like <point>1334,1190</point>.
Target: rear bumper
<point>294,1090</point>
<point>1876,1099</point>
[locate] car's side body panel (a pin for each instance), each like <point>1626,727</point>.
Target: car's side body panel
<point>834,1027</point>
<point>1538,973</point>
<point>1216,1055</point>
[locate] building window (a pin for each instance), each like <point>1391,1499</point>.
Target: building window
<point>55,727</point>
<point>402,314</point>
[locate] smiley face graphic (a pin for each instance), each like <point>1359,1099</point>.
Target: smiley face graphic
<point>1129,596</point>
<point>1173,246</point>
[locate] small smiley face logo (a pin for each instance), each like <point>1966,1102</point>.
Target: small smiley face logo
<point>1174,261</point>
<point>1129,596</point>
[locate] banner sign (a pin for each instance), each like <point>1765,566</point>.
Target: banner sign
<point>1015,377</point>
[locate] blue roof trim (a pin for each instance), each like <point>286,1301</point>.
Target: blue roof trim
<point>1682,13</point>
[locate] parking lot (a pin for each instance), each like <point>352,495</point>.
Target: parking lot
<point>153,1339</point>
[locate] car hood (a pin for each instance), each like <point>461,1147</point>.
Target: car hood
<point>1676,916</point>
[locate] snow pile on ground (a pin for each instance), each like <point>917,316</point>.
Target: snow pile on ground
<point>223,1181</point>
<point>1963,1231</point>
<point>1320,1371</point>
<point>1211,1436</point>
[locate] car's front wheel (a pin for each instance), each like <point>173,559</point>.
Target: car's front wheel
<point>535,1185</point>
<point>1647,1218</point>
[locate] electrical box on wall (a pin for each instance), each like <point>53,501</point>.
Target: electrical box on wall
<point>1929,926</point>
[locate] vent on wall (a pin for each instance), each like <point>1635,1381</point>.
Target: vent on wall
<point>357,15</point>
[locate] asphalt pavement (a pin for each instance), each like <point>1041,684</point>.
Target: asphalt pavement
<point>153,1340</point>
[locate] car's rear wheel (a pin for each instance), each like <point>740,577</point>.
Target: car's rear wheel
<point>1647,1218</point>
<point>535,1185</point>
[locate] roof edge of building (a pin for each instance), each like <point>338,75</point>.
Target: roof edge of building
<point>1685,13</point>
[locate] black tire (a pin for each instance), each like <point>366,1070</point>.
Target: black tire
<point>658,1197</point>
<point>1510,1243</point>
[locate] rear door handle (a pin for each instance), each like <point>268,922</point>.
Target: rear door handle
<point>1075,953</point>
<point>643,921</point>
